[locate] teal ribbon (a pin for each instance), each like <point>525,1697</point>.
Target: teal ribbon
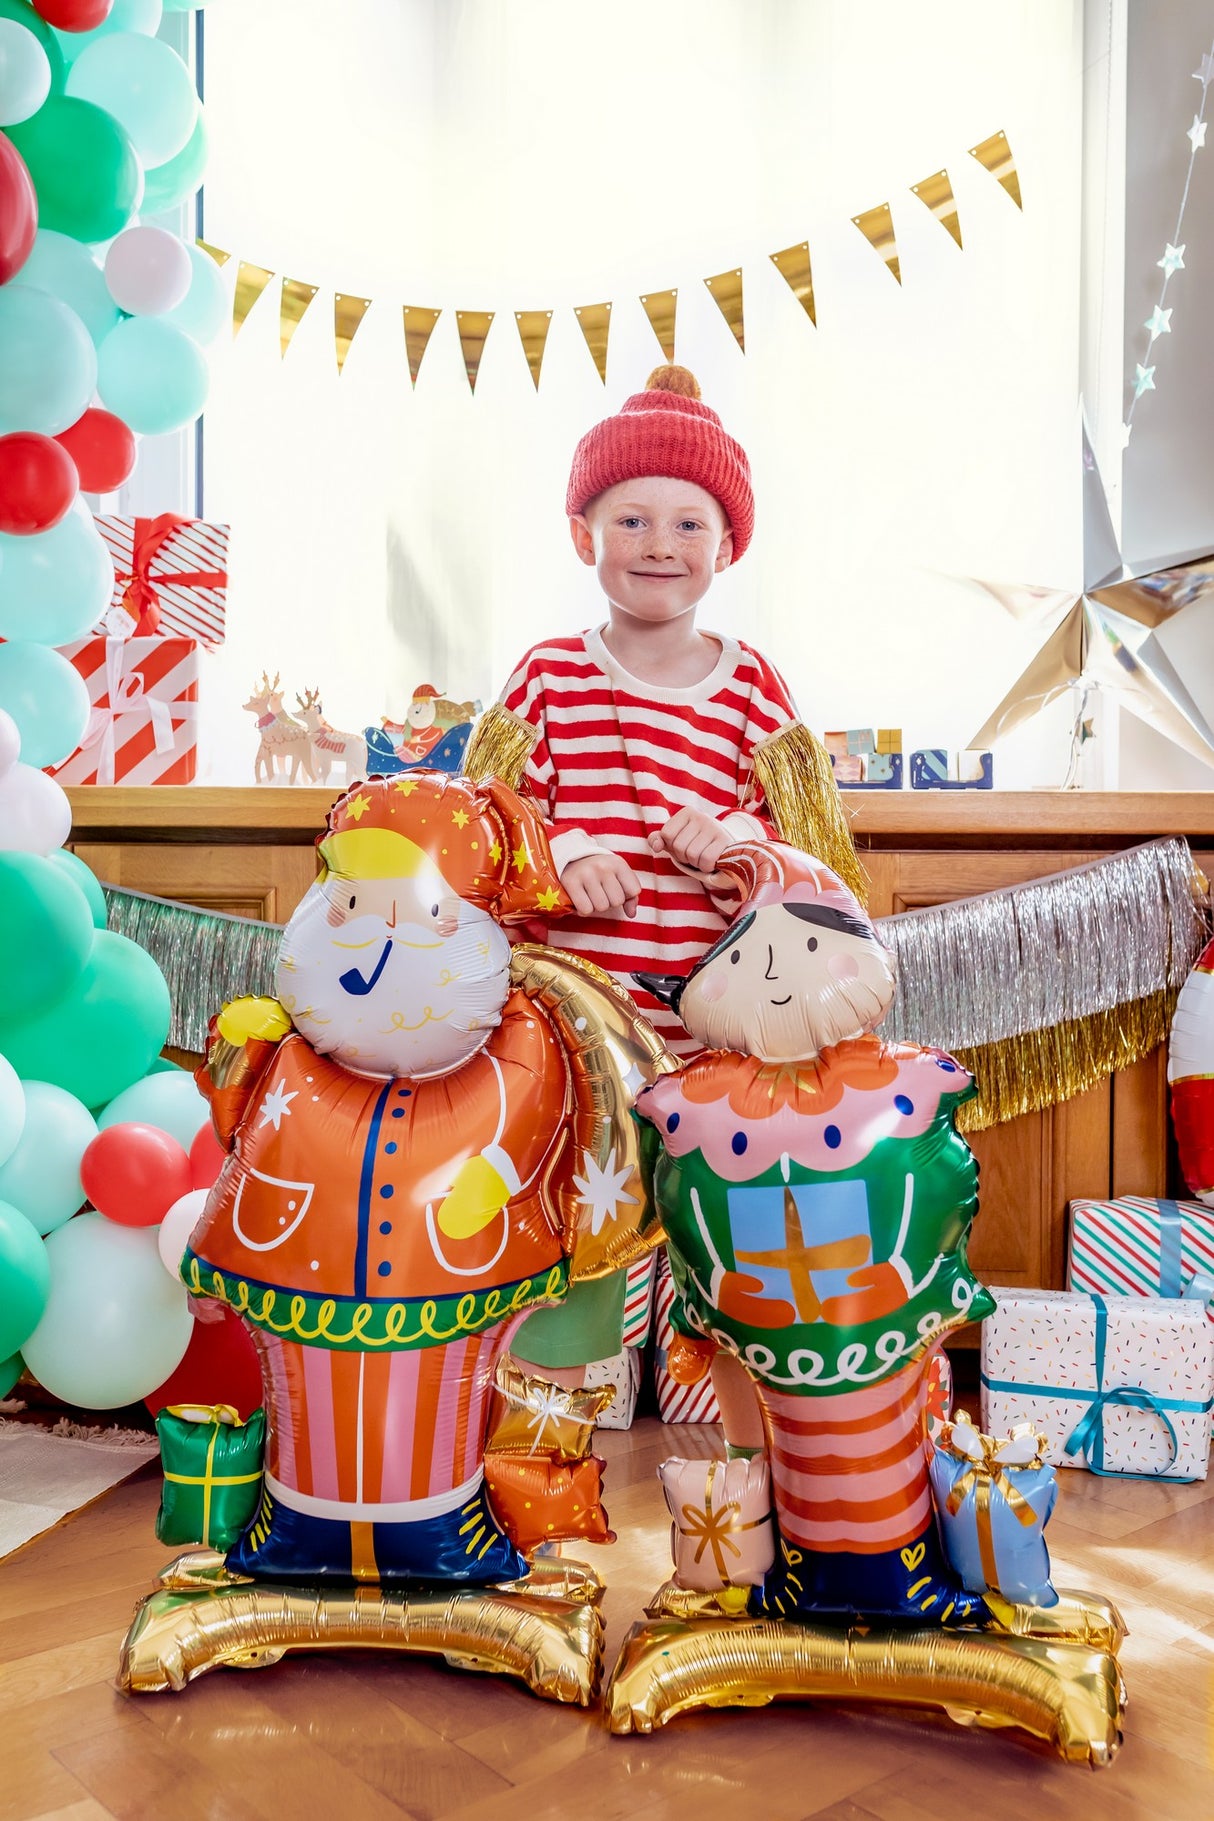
<point>1171,1236</point>
<point>1088,1434</point>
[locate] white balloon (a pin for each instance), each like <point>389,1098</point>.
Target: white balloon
<point>10,743</point>
<point>169,1100</point>
<point>148,271</point>
<point>173,1233</point>
<point>35,815</point>
<point>12,1110</point>
<point>25,73</point>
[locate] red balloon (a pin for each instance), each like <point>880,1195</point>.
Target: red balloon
<point>38,483</point>
<point>74,15</point>
<point>18,210</point>
<point>102,448</point>
<point>207,1157</point>
<point>134,1173</point>
<point>220,1367</point>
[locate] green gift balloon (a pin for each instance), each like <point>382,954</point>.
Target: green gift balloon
<point>25,1279</point>
<point>26,16</point>
<point>103,1034</point>
<point>88,179</point>
<point>46,933</point>
<point>212,1473</point>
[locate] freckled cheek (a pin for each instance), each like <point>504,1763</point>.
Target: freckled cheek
<point>843,967</point>
<point>712,989</point>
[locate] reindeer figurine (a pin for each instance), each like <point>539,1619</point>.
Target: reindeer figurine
<point>282,736</point>
<point>328,743</point>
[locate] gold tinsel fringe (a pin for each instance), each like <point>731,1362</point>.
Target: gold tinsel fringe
<point>794,772</point>
<point>1039,1069</point>
<point>500,747</point>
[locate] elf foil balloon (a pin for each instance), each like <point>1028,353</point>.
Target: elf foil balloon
<point>817,1199</point>
<point>1191,1075</point>
<point>429,1135</point>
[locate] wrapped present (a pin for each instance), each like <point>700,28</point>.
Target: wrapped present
<point>993,1499</point>
<point>638,1300</point>
<point>1121,1385</point>
<point>1137,1246</point>
<point>170,578</point>
<point>722,1533</point>
<point>677,1403</point>
<point>622,1376</point>
<point>542,1501</point>
<point>212,1473</point>
<point>535,1417</point>
<point>933,768</point>
<point>143,725</point>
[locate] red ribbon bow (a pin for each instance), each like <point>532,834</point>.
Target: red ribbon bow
<point>139,597</point>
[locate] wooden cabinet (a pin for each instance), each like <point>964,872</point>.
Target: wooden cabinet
<point>252,853</point>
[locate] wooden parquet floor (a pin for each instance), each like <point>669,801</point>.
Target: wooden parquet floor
<point>371,1737</point>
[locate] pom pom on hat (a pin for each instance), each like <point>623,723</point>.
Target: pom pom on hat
<point>666,430</point>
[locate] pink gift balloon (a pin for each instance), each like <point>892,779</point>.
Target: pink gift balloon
<point>148,271</point>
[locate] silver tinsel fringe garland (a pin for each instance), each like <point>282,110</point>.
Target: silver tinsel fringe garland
<point>207,957</point>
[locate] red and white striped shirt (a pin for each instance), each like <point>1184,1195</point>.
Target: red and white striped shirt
<point>615,759</point>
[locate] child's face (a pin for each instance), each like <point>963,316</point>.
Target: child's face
<point>656,544</point>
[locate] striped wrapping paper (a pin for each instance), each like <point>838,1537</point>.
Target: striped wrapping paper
<point>186,579</point>
<point>1136,1246</point>
<point>677,1403</point>
<point>624,1372</point>
<point>638,1300</point>
<point>142,729</point>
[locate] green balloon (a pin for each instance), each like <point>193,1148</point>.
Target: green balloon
<point>88,179</point>
<point>46,933</point>
<point>25,1279</point>
<point>26,16</point>
<point>101,1035</point>
<point>166,185</point>
<point>10,1371</point>
<point>74,868</point>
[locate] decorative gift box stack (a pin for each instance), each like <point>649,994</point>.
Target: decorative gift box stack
<point>141,663</point>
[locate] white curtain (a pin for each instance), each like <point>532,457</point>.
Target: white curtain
<point>525,154</point>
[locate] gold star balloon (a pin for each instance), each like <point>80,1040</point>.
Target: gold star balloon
<point>1104,634</point>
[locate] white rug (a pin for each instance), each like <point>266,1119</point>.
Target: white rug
<point>44,1475</point>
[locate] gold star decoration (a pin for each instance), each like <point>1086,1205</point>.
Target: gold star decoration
<point>548,899</point>
<point>495,852</point>
<point>358,808</point>
<point>406,787</point>
<point>521,857</point>
<point>460,818</point>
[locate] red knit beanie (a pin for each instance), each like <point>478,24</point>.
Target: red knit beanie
<point>665,430</point>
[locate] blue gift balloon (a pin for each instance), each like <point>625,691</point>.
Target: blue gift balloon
<point>1019,1501</point>
<point>47,699</point>
<point>48,364</point>
<point>67,269</point>
<point>151,375</point>
<point>204,310</point>
<point>56,585</point>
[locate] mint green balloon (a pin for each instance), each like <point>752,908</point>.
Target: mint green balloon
<point>145,85</point>
<point>56,584</point>
<point>115,1324</point>
<point>12,1110</point>
<point>103,1034</point>
<point>25,1279</point>
<point>67,269</point>
<point>204,311</point>
<point>46,933</point>
<point>48,364</point>
<point>42,1177</point>
<point>151,375</point>
<point>47,699</point>
<point>124,16</point>
<point>47,38</point>
<point>74,868</point>
<point>88,178</point>
<point>168,1099</point>
<point>166,185</point>
<point>10,1371</point>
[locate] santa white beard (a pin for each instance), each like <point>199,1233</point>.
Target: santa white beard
<point>423,1004</point>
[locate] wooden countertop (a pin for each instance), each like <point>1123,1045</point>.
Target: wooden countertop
<point>880,819</point>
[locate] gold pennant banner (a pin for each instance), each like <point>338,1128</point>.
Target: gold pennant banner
<point>795,269</point>
<point>936,193</point>
<point>660,307</point>
<point>594,320</point>
<point>726,289</point>
<point>419,327</point>
<point>474,326</point>
<point>296,297</point>
<point>217,253</point>
<point>995,156</point>
<point>251,281</point>
<point>533,327</point>
<point>877,227</point>
<point>348,313</point>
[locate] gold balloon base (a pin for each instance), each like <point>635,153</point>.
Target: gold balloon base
<point>1053,1672</point>
<point>547,1629</point>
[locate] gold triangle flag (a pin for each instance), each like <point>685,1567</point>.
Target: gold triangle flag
<point>793,266</point>
<point>419,327</point>
<point>251,281</point>
<point>533,327</point>
<point>726,290</point>
<point>474,326</point>
<point>877,227</point>
<point>660,307</point>
<point>936,193</point>
<point>594,320</point>
<point>217,253</point>
<point>348,313</point>
<point>995,155</point>
<point>296,296</point>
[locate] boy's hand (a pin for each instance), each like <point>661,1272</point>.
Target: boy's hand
<point>601,885</point>
<point>693,839</point>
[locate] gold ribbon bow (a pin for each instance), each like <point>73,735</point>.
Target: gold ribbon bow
<point>978,1478</point>
<point>712,1529</point>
